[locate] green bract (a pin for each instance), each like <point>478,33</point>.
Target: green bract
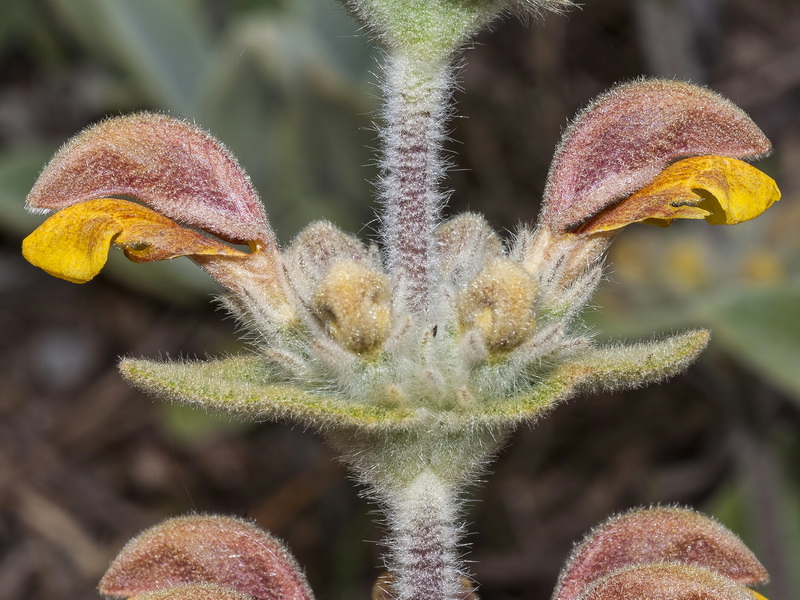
<point>244,386</point>
<point>437,28</point>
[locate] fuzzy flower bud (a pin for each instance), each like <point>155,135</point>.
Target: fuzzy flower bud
<point>205,557</point>
<point>352,301</point>
<point>668,553</point>
<point>499,303</point>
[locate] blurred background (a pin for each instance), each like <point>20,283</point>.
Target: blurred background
<point>290,87</point>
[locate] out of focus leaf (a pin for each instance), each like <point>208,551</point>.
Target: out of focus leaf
<point>188,426</point>
<point>163,46</point>
<point>285,100</point>
<point>18,171</point>
<point>763,329</point>
<point>734,506</point>
<point>791,502</point>
<point>15,15</point>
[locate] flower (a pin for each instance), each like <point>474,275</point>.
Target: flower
<point>667,553</point>
<point>617,165</point>
<point>205,557</point>
<point>337,341</point>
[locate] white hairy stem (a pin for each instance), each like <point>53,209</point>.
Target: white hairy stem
<point>417,93</point>
<point>424,559</point>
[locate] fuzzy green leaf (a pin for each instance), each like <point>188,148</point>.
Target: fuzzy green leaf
<point>620,366</point>
<point>433,29</point>
<point>612,367</point>
<point>436,28</point>
<point>243,386</point>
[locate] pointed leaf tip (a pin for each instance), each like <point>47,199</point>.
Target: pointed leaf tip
<point>165,163</point>
<point>216,550</point>
<point>653,536</point>
<point>620,366</point>
<point>627,136</point>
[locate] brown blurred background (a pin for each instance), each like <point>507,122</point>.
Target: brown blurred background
<point>85,462</point>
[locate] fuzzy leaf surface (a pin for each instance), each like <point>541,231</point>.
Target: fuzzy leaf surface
<point>242,386</point>
<point>620,366</point>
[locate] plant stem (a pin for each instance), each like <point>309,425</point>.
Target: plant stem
<point>417,92</point>
<point>418,475</point>
<point>424,558</point>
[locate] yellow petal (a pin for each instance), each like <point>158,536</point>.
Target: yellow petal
<point>756,595</point>
<point>721,190</point>
<point>73,244</point>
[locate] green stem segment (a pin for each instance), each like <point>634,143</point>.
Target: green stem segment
<point>417,93</point>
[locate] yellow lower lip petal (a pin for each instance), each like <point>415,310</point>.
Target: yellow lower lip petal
<point>721,190</point>
<point>73,244</point>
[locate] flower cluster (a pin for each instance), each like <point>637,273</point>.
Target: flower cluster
<point>336,330</point>
<point>418,355</point>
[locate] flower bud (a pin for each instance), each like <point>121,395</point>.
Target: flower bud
<point>656,535</point>
<point>666,581</point>
<point>207,549</point>
<point>353,303</point>
<point>499,304</point>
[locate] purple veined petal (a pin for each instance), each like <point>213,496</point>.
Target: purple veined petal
<point>168,164</point>
<point>621,141</point>
<point>657,535</point>
<point>206,549</point>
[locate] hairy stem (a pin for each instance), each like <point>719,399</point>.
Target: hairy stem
<point>417,92</point>
<point>424,558</point>
<point>418,475</point>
